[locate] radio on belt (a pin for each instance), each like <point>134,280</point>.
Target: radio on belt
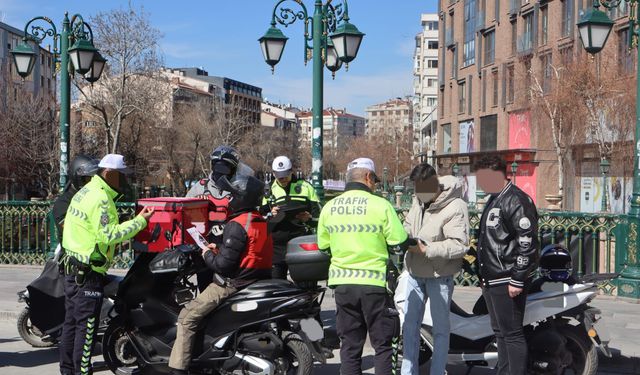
<point>168,225</point>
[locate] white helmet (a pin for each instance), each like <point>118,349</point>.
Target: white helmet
<point>281,166</point>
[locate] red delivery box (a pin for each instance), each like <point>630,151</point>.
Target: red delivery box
<point>170,221</point>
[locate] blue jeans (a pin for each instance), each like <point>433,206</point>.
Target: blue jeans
<point>438,290</point>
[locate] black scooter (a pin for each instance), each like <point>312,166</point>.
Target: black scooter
<point>266,328</point>
<point>40,322</point>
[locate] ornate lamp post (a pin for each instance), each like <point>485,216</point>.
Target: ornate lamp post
<point>595,28</point>
<point>333,41</point>
<point>514,170</point>
<point>74,43</point>
<point>604,169</point>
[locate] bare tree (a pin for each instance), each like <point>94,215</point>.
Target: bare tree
<point>30,156</point>
<point>131,83</point>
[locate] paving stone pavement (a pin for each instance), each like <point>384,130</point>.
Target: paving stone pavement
<point>16,357</point>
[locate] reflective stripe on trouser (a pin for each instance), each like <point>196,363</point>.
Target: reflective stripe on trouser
<point>191,319</point>
<point>82,317</point>
<point>362,309</point>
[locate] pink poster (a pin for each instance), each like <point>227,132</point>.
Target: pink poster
<point>520,138</point>
<point>519,130</point>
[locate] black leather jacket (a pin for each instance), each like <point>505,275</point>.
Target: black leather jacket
<point>508,241</point>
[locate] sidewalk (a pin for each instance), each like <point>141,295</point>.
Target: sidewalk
<point>622,319</point>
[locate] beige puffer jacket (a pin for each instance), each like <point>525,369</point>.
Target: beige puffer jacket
<point>444,226</point>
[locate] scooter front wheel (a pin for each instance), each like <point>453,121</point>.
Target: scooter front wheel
<point>29,333</point>
<point>118,353</point>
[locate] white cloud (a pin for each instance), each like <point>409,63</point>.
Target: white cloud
<point>350,91</point>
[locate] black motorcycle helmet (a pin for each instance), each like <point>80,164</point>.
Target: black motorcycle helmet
<point>81,170</point>
<point>224,162</point>
<point>555,263</point>
<point>246,192</point>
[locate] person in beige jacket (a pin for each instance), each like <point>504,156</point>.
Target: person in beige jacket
<point>439,221</point>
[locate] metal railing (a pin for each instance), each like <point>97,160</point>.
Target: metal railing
<point>28,234</point>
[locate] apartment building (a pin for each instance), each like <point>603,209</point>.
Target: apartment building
<point>338,127</point>
<point>42,80</point>
<point>425,87</point>
<point>393,118</point>
<point>487,51</point>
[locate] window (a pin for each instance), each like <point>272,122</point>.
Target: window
<point>567,18</point>
<point>544,25</point>
<point>494,79</point>
<point>469,49</point>
<point>547,72</point>
<point>527,37</point>
<point>432,63</point>
<point>462,96</point>
<point>446,138</point>
<point>49,84</point>
<point>432,44</point>
<point>484,94</point>
<point>514,37</point>
<point>489,47</point>
<point>510,84</point>
<point>431,82</point>
<point>489,133</point>
<point>454,63</point>
<point>566,55</point>
<point>625,57</point>
<point>432,102</point>
<point>42,59</point>
<point>433,25</point>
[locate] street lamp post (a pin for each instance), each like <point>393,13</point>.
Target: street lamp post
<point>514,170</point>
<point>74,43</point>
<point>455,170</point>
<point>595,27</point>
<point>333,41</point>
<point>604,169</point>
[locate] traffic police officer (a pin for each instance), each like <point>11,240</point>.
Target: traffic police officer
<point>90,234</point>
<point>288,192</point>
<point>358,228</point>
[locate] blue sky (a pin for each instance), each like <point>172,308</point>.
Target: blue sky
<point>221,36</point>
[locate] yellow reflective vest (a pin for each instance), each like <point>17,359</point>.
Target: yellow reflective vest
<point>357,227</point>
<point>92,229</point>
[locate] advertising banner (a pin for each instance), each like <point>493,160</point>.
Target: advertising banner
<point>467,137</point>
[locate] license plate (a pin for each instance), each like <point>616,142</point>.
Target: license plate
<point>312,329</point>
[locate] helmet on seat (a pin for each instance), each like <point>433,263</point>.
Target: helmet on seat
<point>246,192</point>
<point>224,162</point>
<point>82,167</point>
<point>555,263</point>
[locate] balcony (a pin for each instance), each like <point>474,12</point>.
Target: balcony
<point>448,38</point>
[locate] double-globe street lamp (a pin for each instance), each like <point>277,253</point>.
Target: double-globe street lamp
<point>74,43</point>
<point>595,27</point>
<point>334,41</point>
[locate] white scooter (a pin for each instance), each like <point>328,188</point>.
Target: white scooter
<point>561,329</point>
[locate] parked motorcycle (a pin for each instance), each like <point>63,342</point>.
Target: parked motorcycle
<point>563,331</point>
<point>268,327</point>
<point>40,322</point>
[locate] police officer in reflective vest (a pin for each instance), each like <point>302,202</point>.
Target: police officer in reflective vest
<point>288,193</point>
<point>358,228</point>
<point>90,235</point>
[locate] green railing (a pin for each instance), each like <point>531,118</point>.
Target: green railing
<point>590,238</point>
<point>28,234</point>
<point>26,237</point>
